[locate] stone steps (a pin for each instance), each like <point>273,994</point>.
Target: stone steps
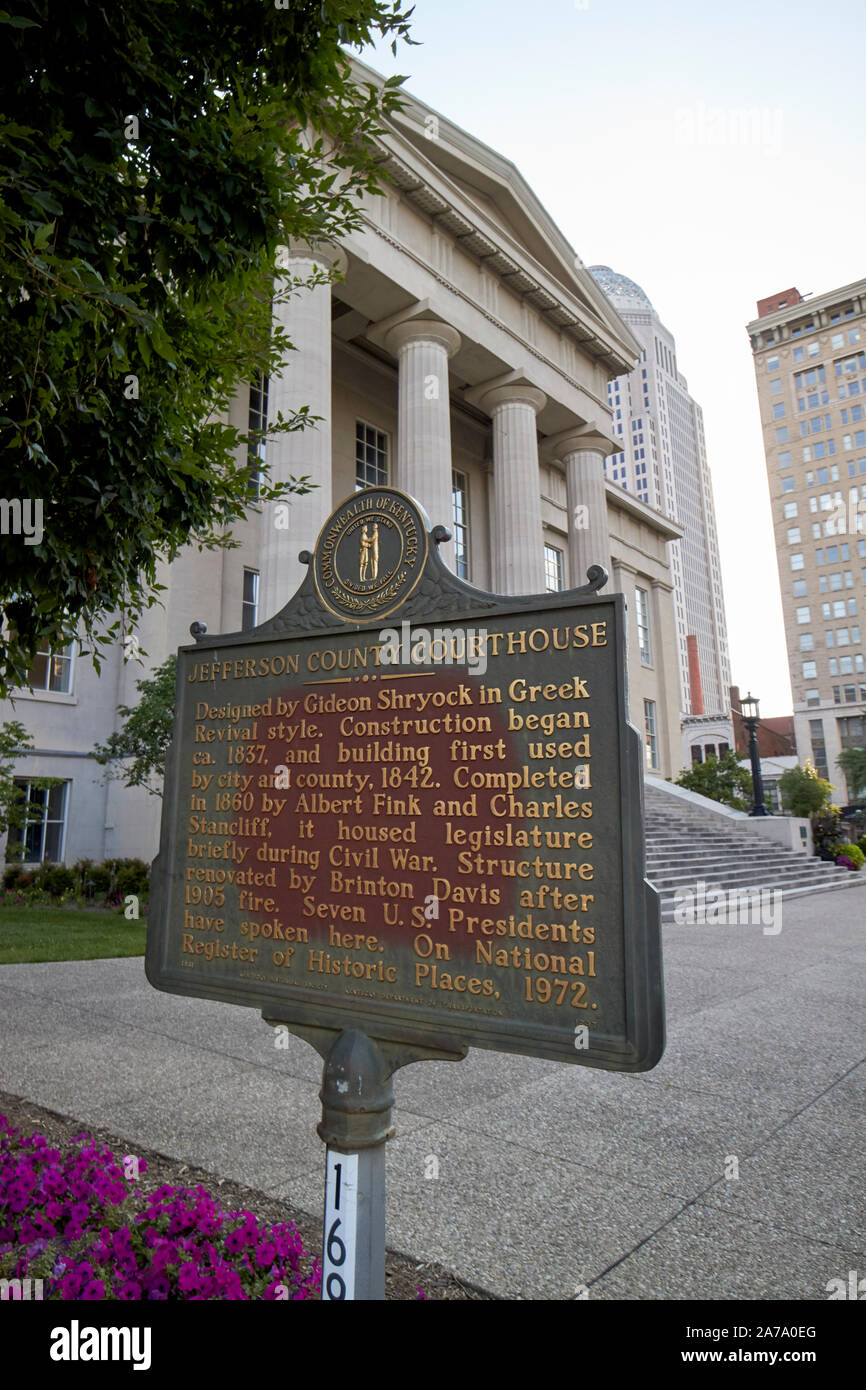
<point>688,844</point>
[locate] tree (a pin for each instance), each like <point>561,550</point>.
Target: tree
<point>153,158</point>
<point>803,792</point>
<point>142,743</point>
<point>721,779</point>
<point>853,763</point>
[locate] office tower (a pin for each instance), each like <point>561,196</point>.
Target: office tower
<point>810,367</point>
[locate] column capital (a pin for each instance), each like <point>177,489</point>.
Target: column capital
<point>324,253</point>
<point>511,388</point>
<point>422,331</point>
<point>418,323</point>
<point>580,439</point>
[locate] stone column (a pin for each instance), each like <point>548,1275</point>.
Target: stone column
<point>583,455</point>
<point>305,379</point>
<point>422,348</point>
<point>517,541</point>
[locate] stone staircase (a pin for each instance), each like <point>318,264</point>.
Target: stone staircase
<point>688,843</point>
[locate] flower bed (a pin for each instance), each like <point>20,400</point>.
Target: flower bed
<point>76,1220</point>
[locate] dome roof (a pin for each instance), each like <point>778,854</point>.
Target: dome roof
<point>620,288</point>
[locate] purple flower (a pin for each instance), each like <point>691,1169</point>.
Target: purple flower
<point>129,1291</point>
<point>266,1253</point>
<point>70,1285</point>
<point>189,1280</point>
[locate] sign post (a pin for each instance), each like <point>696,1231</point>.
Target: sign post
<point>404,817</point>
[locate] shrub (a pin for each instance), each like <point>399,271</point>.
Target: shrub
<point>853,853</point>
<point>56,880</point>
<point>132,877</point>
<point>100,879</point>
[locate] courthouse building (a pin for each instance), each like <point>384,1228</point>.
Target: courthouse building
<point>464,356</point>
<point>810,365</point>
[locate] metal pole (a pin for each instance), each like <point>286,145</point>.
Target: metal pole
<point>758,807</point>
<point>357,1097</point>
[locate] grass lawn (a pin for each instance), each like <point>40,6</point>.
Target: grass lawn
<point>59,933</point>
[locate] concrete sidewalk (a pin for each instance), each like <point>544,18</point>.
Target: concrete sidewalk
<point>550,1176</point>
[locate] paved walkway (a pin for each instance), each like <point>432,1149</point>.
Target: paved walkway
<point>550,1176</point>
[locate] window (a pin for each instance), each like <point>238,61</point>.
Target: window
<point>785,459</point>
<point>52,670</point>
<point>800,588</point>
<point>43,833</point>
<point>257,424</point>
<point>772,364</point>
<point>797,561</point>
<point>810,670</point>
<point>790,510</point>
<point>643,627</point>
<point>803,615</point>
<point>782,434</point>
<point>371,456</point>
<point>807,642</point>
<point>819,751</point>
<point>787,484</point>
<point>250,605</point>
<point>553,569</point>
<point>776,387</point>
<point>793,535</point>
<point>460,515</point>
<point>649,715</point>
<point>852,728</point>
<point>813,697</point>
<point>778,412</point>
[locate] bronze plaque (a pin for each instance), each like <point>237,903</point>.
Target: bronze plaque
<point>425,823</point>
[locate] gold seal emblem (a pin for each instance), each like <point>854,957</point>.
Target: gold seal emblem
<point>370,554</point>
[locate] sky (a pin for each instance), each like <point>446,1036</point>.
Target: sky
<point>713,154</point>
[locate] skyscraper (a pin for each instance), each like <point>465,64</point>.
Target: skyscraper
<point>663,462</point>
<point>810,365</point>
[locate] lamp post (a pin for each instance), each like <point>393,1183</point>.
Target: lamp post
<point>749,712</point>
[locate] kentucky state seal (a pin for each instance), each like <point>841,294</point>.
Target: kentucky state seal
<point>370,554</point>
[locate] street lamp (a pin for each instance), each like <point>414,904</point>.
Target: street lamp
<point>749,712</point>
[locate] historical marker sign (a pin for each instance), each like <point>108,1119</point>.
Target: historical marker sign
<point>411,808</point>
